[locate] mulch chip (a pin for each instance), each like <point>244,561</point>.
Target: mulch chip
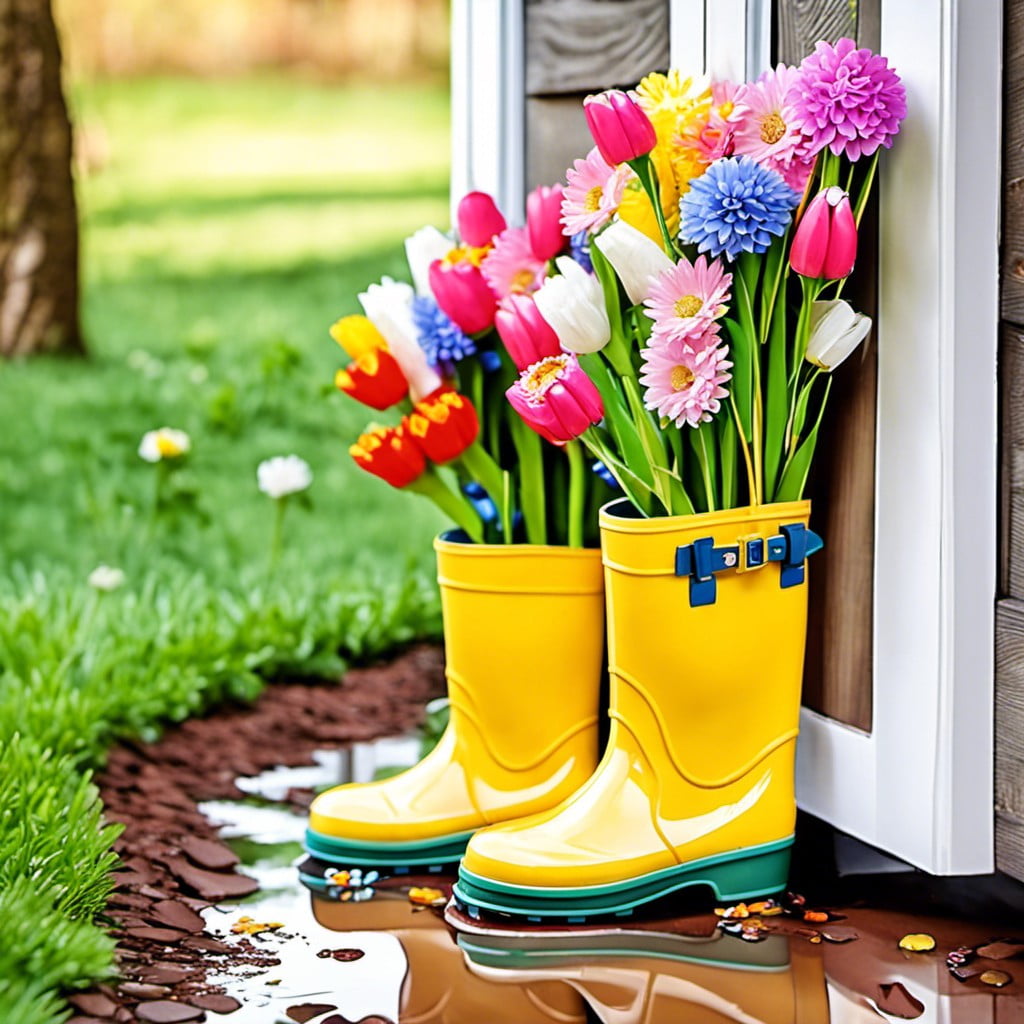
<point>173,865</point>
<point>307,1011</point>
<point>1001,949</point>
<point>163,1011</point>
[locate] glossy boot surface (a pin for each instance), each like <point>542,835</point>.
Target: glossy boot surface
<point>438,987</point>
<point>710,981</point>
<point>696,784</point>
<point>524,639</point>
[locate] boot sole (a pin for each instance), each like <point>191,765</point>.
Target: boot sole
<point>737,875</point>
<point>431,855</point>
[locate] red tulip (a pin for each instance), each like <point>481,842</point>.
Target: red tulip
<point>619,126</point>
<point>825,240</point>
<point>375,379</point>
<point>443,427</point>
<point>389,453</point>
<point>463,293</point>
<point>544,221</point>
<point>528,337</point>
<point>479,219</point>
<point>556,398</point>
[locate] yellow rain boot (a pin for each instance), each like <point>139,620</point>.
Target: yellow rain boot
<point>523,627</point>
<point>707,617</point>
<point>438,987</point>
<point>637,978</point>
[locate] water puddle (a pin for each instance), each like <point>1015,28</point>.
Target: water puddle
<point>385,960</point>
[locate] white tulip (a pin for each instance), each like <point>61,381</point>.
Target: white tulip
<point>636,258</point>
<point>106,577</point>
<point>388,306</point>
<point>836,330</point>
<point>165,443</point>
<point>572,303</point>
<point>421,249</point>
<point>283,475</point>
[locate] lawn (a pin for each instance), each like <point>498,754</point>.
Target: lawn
<point>229,224</point>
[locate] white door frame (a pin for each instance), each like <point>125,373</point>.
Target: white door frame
<point>920,784</point>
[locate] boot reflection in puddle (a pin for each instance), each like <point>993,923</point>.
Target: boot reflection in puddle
<point>438,987</point>
<point>631,977</point>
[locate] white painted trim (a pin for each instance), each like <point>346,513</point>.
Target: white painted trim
<point>488,102</point>
<point>920,784</point>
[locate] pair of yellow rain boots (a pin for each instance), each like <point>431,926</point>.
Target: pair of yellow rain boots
<point>706,626</point>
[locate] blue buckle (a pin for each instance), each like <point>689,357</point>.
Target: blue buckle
<point>701,560</point>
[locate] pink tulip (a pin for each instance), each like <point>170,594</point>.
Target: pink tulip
<point>619,126</point>
<point>526,334</point>
<point>462,292</point>
<point>556,398</point>
<point>479,219</point>
<point>825,241</point>
<point>544,221</point>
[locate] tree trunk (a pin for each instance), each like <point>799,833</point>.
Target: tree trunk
<point>38,217</point>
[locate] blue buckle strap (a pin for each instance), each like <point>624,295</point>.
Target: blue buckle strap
<point>701,560</point>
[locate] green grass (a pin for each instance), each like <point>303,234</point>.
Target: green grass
<point>232,222</point>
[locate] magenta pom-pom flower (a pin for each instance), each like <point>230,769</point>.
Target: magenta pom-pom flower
<point>619,126</point>
<point>683,385</point>
<point>556,398</point>
<point>847,99</point>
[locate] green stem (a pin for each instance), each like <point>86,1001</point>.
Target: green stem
<point>865,189</point>
<point>743,447</point>
<point>705,466</point>
<point>644,168</point>
<point>453,505</point>
<point>482,468</point>
<point>532,495</point>
<point>577,493</point>
<point>275,538</point>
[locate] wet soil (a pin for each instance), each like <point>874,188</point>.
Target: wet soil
<point>173,865</point>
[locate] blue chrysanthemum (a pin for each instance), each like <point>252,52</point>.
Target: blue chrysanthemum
<point>736,206</point>
<point>579,246</point>
<point>442,341</point>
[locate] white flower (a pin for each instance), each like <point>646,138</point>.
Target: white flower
<point>635,257</point>
<point>421,249</point>
<point>573,304</point>
<point>165,443</point>
<point>283,475</point>
<point>836,330</point>
<point>388,305</point>
<point>106,577</point>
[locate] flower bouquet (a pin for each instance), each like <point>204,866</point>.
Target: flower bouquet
<point>710,328</point>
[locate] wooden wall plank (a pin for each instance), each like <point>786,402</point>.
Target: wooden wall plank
<point>575,46</point>
<point>1009,768</point>
<point>1012,280</point>
<point>1012,456</point>
<point>800,22</point>
<point>556,134</point>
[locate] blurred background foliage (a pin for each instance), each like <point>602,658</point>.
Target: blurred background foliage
<point>397,39</point>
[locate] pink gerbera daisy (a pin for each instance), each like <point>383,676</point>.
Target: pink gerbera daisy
<point>592,193</point>
<point>765,125</point>
<point>682,385</point>
<point>510,268</point>
<point>685,301</point>
<point>715,138</point>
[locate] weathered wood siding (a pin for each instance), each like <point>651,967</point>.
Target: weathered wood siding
<point>575,47</point>
<point>1009,742</point>
<point>838,677</point>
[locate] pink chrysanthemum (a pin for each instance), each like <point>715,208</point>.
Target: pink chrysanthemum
<point>510,268</point>
<point>847,99</point>
<point>682,385</point>
<point>592,193</point>
<point>685,301</point>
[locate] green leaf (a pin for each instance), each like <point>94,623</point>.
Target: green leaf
<point>776,397</point>
<point>741,386</point>
<point>794,477</point>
